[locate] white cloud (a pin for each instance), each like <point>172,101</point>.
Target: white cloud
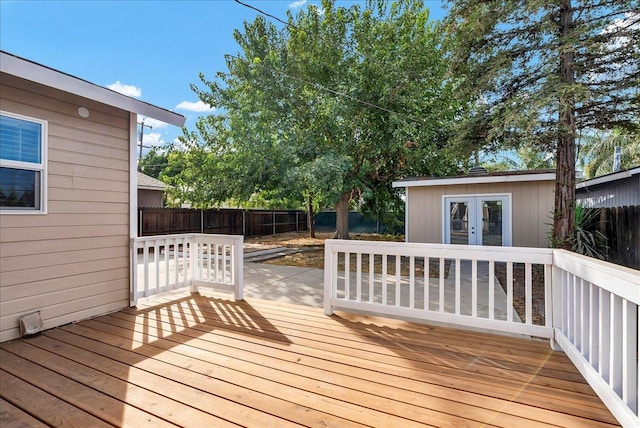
<point>128,90</point>
<point>198,107</point>
<point>297,4</point>
<point>153,123</point>
<point>153,139</point>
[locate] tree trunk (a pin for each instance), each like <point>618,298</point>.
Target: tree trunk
<point>342,216</point>
<point>565,189</point>
<point>311,224</point>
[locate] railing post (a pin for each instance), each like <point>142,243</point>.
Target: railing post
<point>555,305</point>
<point>134,273</point>
<point>238,269</point>
<point>194,261</point>
<point>328,277</point>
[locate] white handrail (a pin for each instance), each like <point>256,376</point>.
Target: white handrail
<point>596,324</point>
<point>167,262</point>
<point>458,298</point>
<point>591,306</point>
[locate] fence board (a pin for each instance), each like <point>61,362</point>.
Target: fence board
<point>164,221</point>
<point>621,226</point>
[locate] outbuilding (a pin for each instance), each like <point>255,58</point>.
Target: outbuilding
<point>509,208</point>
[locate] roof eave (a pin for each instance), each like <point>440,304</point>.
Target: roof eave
<point>475,180</point>
<point>38,73</point>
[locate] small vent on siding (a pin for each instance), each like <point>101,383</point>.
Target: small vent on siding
<point>31,324</point>
<point>478,170</point>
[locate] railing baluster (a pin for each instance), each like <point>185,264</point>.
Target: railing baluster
<point>629,357</point>
<point>426,297</point>
<point>585,323</point>
<point>358,276</point>
<point>384,279</point>
<point>371,277</point>
<point>510,308</point>
<point>347,275</point>
<point>615,367</point>
<point>528,293</point>
<point>594,325</point>
<point>398,282</point>
<point>492,285</point>
<point>457,294</point>
<point>441,286</point>
<point>604,354</point>
<point>412,282</point>
<point>145,260</point>
<point>474,288</point>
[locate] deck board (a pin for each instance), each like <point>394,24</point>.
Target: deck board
<point>199,360</point>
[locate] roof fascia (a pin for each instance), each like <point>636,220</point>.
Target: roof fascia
<point>475,180</point>
<point>34,72</point>
<point>608,178</point>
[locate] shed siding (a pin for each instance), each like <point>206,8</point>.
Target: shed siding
<point>531,205</point>
<point>73,262</point>
<point>620,193</point>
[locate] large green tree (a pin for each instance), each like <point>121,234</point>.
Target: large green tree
<point>541,71</point>
<point>597,152</point>
<point>334,105</point>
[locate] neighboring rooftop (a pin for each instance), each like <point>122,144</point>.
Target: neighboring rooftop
<point>614,176</point>
<point>146,182</point>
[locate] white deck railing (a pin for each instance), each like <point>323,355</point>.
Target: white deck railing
<point>595,318</point>
<point>590,307</point>
<point>168,262</point>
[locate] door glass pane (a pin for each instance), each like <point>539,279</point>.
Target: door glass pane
<point>459,222</point>
<point>492,223</point>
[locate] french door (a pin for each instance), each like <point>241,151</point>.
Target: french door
<point>477,220</point>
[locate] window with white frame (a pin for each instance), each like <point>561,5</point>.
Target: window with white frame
<point>23,150</point>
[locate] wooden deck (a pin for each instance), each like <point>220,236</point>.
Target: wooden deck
<point>199,361</point>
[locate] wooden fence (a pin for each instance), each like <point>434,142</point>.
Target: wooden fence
<point>621,226</point>
<point>164,221</point>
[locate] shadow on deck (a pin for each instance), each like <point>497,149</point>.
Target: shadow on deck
<point>196,360</point>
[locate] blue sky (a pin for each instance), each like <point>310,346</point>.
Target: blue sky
<point>152,50</point>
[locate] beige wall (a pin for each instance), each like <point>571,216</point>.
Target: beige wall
<point>149,198</point>
<point>531,204</point>
<point>72,262</point>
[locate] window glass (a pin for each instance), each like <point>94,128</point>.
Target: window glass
<point>18,188</point>
<point>22,164</point>
<point>20,140</point>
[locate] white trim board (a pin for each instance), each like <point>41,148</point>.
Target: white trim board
<point>38,73</point>
<point>475,180</point>
<point>609,177</point>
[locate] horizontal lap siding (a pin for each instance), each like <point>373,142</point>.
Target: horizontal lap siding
<point>531,205</point>
<point>73,262</point>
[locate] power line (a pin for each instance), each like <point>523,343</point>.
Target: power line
<point>316,84</point>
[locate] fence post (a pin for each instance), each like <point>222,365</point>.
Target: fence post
<point>134,273</point>
<point>273,220</point>
<point>201,220</point>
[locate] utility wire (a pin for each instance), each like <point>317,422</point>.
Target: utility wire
<point>316,84</point>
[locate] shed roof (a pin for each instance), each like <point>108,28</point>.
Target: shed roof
<point>146,182</point>
<point>608,178</point>
<point>491,177</point>
<point>35,72</point>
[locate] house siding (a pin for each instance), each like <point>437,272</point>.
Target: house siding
<point>531,207</point>
<point>73,262</point>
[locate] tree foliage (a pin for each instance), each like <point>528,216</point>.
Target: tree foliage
<point>597,152</point>
<point>539,72</point>
<point>332,107</point>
